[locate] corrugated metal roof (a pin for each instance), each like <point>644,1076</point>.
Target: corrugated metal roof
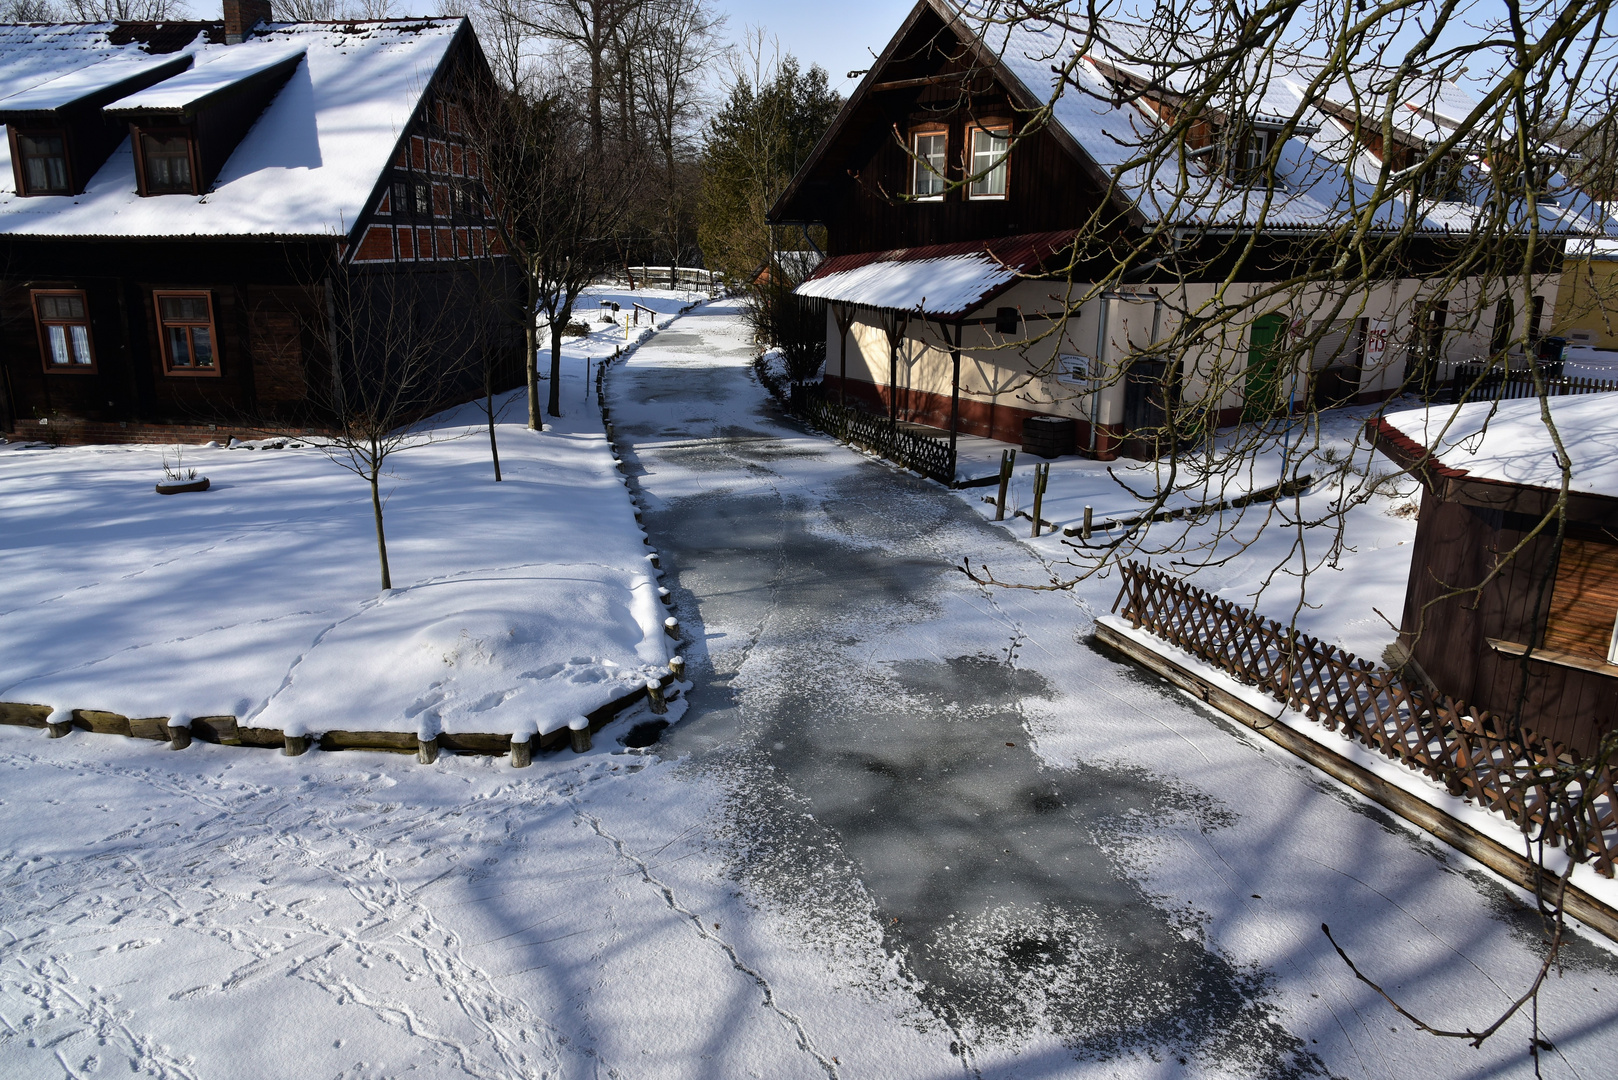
<point>945,281</point>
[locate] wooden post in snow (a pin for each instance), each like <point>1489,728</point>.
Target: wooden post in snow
<point>427,750</point>
<point>1042,476</point>
<point>1085,532</point>
<point>1008,458</point>
<point>522,753</point>
<point>579,729</point>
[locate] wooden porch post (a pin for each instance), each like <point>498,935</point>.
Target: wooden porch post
<point>894,323</point>
<point>955,388</point>
<point>844,314</point>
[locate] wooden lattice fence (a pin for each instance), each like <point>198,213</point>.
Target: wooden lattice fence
<point>930,457</point>
<point>1538,785</point>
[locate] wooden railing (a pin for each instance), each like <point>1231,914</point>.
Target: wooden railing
<point>1470,383</point>
<point>930,457</point>
<point>1536,784</point>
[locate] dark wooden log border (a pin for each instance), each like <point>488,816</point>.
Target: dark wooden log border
<point>224,730</point>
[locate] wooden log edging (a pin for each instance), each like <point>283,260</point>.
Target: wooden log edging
<point>1511,865</point>
<point>224,730</point>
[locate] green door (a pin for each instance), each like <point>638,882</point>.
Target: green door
<point>1264,339</point>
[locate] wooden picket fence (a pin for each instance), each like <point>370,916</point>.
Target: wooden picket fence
<point>930,457</point>
<point>1538,785</point>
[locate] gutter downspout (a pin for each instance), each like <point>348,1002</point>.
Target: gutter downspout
<point>1105,300</point>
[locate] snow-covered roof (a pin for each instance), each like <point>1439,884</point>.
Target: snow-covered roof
<point>946,281</point>
<point>1323,171</point>
<point>305,168</point>
<point>32,54</point>
<point>86,82</point>
<point>216,70</point>
<point>1508,442</point>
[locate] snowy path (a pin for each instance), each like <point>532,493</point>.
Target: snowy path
<point>834,866</point>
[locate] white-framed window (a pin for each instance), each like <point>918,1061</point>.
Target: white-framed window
<point>64,329</point>
<point>1247,158</point>
<point>989,149</point>
<point>931,150</point>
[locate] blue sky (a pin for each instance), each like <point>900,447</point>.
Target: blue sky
<point>839,35</point>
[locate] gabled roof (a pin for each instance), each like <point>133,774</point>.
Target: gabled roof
<point>307,167</point>
<point>1323,171</point>
<point>944,281</point>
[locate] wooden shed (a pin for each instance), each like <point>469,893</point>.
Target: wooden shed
<point>1500,611</point>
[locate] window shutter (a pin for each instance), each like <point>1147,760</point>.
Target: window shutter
<point>1585,599</point>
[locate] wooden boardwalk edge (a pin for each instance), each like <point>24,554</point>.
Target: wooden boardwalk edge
<point>1513,866</point>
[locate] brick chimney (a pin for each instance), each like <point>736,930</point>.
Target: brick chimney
<point>241,16</point>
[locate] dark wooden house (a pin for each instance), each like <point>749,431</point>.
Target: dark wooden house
<point>192,214</point>
<point>951,218</point>
<point>1499,611</point>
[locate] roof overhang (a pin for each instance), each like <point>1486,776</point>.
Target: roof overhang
<point>945,281</point>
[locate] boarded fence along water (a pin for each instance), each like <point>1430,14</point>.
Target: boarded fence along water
<point>1534,783</point>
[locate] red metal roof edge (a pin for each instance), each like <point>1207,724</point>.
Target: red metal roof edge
<point>1017,252</point>
<point>1410,453</point>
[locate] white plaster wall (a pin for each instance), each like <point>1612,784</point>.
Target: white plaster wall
<point>1020,370</point>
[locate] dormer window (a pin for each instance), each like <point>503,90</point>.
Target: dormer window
<point>931,153</point>
<point>166,165</point>
<point>990,147</point>
<point>44,164</point>
<point>1247,153</point>
<point>1441,182</point>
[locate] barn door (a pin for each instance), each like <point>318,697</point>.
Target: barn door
<point>1264,341</point>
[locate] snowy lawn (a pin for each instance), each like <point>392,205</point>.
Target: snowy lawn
<point>517,606</point>
<point>1237,553</point>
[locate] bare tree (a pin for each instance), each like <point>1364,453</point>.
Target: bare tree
<point>23,11</point>
<point>595,28</point>
<point>125,10</point>
<point>559,204</point>
<point>401,350</point>
<point>671,71</point>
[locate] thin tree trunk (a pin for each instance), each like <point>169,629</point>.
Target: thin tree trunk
<point>488,407</point>
<point>376,508</point>
<point>557,323</point>
<point>531,363</point>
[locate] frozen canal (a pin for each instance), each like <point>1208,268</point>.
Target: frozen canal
<point>1067,861</point>
<point>909,828</point>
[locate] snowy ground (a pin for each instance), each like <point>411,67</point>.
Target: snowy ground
<point>1237,552</point>
<point>519,604</point>
<point>909,828</point>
